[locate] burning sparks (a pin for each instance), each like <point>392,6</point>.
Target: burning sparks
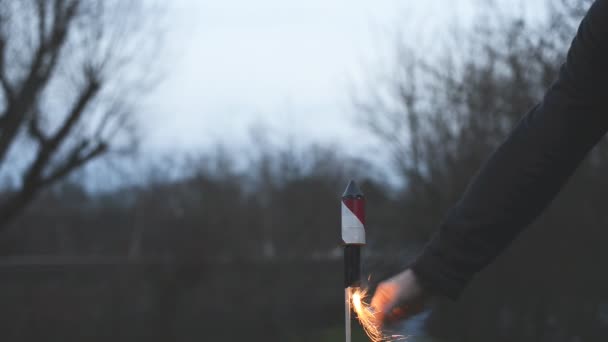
<point>366,318</point>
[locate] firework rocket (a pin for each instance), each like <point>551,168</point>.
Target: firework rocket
<point>353,237</point>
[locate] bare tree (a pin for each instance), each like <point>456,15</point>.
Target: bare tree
<point>67,68</point>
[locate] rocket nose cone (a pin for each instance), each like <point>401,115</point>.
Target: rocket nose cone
<point>352,190</point>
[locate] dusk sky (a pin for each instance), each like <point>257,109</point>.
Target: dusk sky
<point>287,65</point>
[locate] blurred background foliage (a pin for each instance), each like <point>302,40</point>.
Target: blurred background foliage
<point>245,247</point>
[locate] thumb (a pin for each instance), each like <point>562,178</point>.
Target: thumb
<point>395,311</point>
<point>398,310</point>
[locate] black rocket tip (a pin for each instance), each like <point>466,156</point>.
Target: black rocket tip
<point>352,190</point>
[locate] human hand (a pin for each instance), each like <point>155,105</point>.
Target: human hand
<point>398,298</point>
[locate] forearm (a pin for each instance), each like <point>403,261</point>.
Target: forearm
<point>511,189</point>
<point>526,172</point>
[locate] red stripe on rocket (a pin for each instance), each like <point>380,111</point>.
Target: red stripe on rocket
<point>353,215</point>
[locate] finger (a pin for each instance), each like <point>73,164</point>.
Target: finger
<point>399,312</point>
<point>403,311</point>
<point>381,299</point>
<point>395,312</point>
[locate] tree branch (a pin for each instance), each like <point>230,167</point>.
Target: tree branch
<point>49,146</point>
<point>75,161</point>
<point>6,87</point>
<point>34,130</point>
<point>41,12</point>
<point>56,25</point>
<point>76,112</point>
<point>40,70</point>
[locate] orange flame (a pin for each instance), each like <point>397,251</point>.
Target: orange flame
<point>366,318</point>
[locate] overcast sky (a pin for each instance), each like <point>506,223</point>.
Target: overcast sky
<point>231,64</point>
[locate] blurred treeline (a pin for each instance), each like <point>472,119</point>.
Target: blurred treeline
<point>245,248</point>
<point>222,251</point>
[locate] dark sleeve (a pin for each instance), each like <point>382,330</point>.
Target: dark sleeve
<point>527,171</point>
